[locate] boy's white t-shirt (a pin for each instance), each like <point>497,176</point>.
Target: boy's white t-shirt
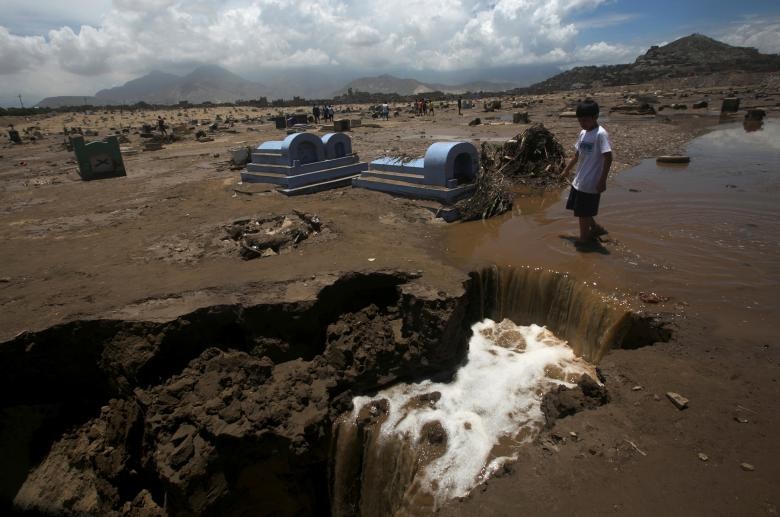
<point>591,145</point>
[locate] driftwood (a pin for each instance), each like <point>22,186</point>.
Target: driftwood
<point>534,158</point>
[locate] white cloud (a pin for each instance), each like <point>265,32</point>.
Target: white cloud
<point>363,36</point>
<point>136,36</point>
<point>602,21</point>
<point>603,53</point>
<point>762,34</point>
<point>18,53</point>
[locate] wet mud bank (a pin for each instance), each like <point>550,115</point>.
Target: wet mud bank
<point>232,409</point>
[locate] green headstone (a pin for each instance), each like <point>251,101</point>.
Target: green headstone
<point>98,159</point>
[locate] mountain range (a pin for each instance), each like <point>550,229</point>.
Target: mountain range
<point>206,83</point>
<point>693,55</point>
<point>215,84</point>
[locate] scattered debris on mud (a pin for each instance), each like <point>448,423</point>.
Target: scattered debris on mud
<point>270,236</point>
<point>534,158</point>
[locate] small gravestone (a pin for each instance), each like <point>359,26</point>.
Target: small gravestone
<point>730,105</point>
<point>300,118</point>
<point>341,125</point>
<point>520,118</point>
<point>98,159</point>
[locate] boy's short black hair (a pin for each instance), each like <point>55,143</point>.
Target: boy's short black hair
<point>588,108</point>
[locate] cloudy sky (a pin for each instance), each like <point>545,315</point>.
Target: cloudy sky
<point>54,47</point>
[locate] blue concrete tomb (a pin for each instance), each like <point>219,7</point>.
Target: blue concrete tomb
<point>304,163</point>
<point>445,174</point>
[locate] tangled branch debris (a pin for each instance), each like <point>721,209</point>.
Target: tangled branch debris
<point>262,237</point>
<point>533,158</point>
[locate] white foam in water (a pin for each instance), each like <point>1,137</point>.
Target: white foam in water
<point>495,396</point>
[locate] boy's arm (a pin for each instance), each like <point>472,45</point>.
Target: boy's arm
<point>602,186</point>
<point>570,165</point>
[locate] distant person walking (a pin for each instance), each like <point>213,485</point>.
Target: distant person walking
<point>385,111</point>
<point>316,112</point>
<point>430,108</point>
<point>161,125</point>
<point>593,158</point>
<point>460,103</point>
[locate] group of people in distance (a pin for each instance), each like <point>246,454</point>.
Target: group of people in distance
<point>423,107</point>
<point>322,112</point>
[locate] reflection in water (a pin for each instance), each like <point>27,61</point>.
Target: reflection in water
<point>737,140</point>
<point>707,234</point>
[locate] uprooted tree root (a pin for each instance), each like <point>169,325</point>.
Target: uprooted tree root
<point>534,158</point>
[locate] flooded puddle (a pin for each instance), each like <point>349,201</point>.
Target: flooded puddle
<point>706,235</point>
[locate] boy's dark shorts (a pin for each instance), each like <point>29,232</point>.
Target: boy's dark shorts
<point>583,204</point>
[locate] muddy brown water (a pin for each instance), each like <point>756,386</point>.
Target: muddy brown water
<point>706,235</point>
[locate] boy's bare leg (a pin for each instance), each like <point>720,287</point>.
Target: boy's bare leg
<point>585,224</point>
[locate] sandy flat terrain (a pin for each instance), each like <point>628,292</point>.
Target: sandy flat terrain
<point>151,246</point>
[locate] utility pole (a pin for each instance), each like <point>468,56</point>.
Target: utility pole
<point>20,100</point>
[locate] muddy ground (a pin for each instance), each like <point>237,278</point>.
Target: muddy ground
<point>151,247</point>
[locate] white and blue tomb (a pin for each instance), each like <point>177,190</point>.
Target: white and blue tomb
<point>303,163</point>
<point>446,173</point>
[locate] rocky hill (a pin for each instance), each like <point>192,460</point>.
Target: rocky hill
<point>693,55</point>
<point>69,100</point>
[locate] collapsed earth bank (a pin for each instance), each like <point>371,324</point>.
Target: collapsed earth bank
<point>230,409</point>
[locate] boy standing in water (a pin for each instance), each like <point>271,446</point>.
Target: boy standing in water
<point>593,158</point>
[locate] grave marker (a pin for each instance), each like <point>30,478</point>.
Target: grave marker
<point>303,163</point>
<point>98,159</point>
<point>445,174</point>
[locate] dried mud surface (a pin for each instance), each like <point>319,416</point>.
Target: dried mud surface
<point>116,266</point>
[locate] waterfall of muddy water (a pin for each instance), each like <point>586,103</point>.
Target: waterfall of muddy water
<point>413,446</point>
<point>706,234</point>
<point>589,321</point>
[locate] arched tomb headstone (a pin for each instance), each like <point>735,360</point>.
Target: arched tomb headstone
<point>446,173</point>
<point>304,163</point>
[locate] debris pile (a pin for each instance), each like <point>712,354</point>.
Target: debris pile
<point>534,158</point>
<point>269,236</point>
